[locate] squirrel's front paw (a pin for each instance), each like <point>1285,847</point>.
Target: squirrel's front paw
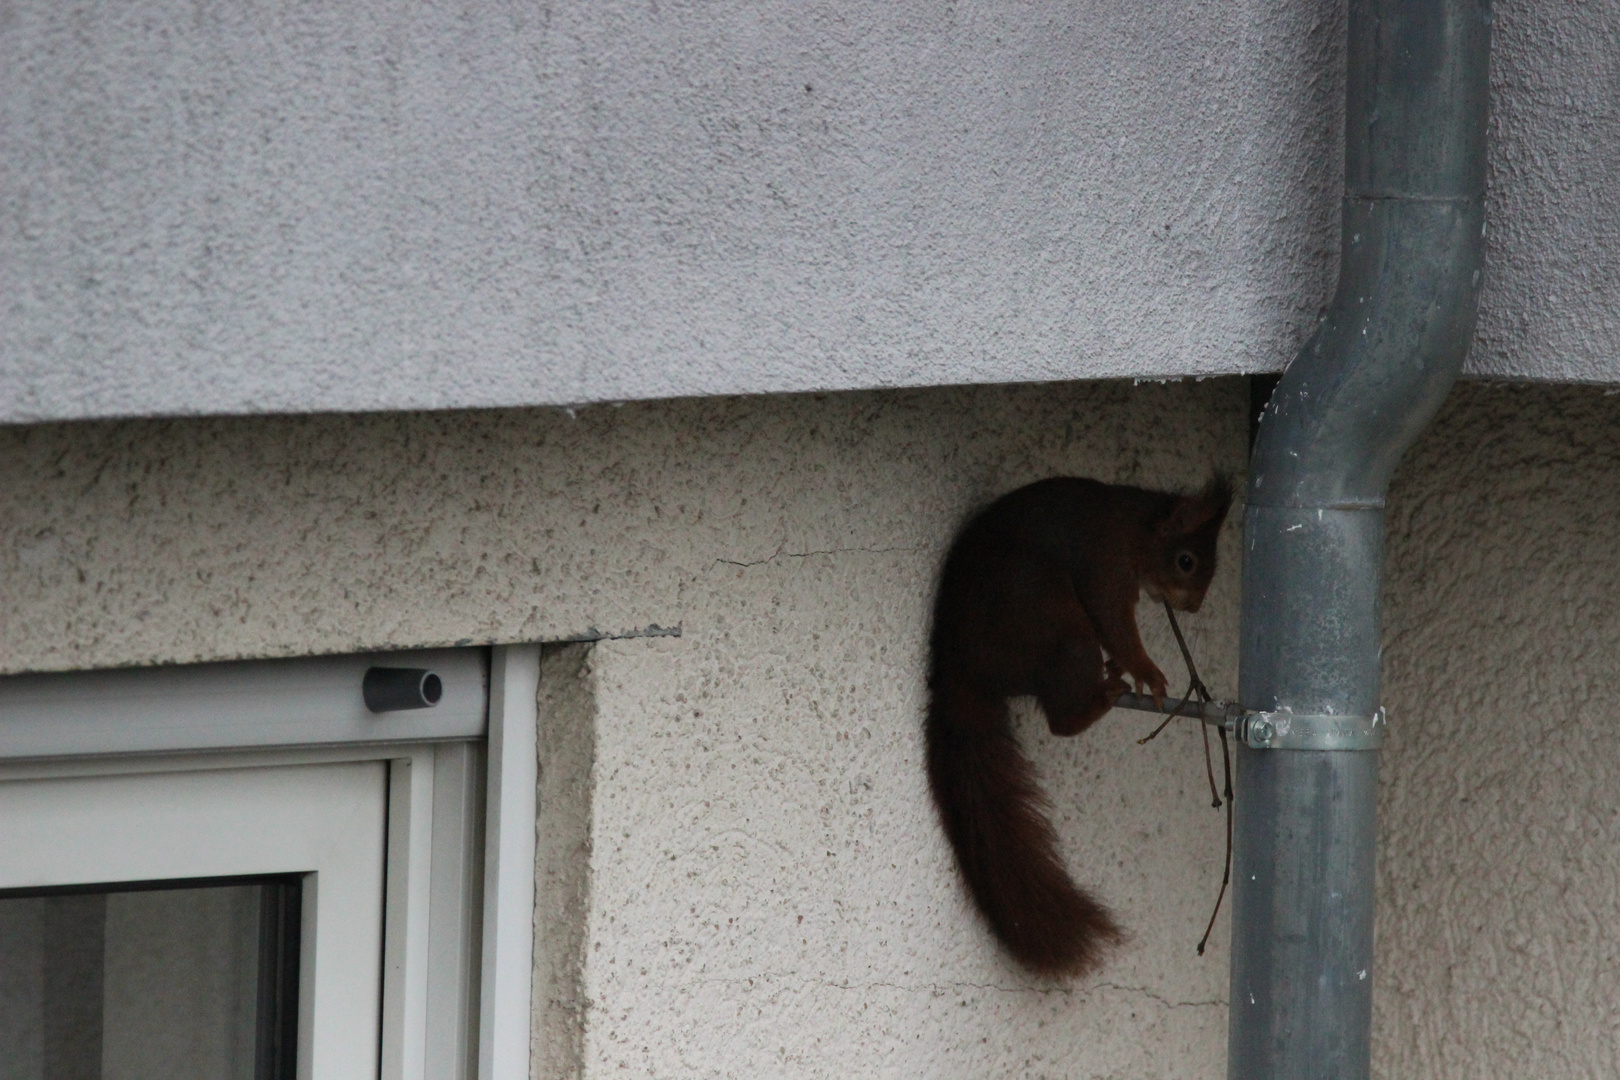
<point>1151,682</point>
<point>1114,683</point>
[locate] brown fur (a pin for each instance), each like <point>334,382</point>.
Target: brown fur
<point>1035,589</point>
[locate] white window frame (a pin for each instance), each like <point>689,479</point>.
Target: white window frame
<point>326,820</point>
<point>458,936</point>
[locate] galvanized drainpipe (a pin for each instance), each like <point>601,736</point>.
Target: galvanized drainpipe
<point>1313,533</point>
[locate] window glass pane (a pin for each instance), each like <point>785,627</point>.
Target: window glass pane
<point>196,982</point>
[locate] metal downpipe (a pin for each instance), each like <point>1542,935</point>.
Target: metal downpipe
<point>1346,410</point>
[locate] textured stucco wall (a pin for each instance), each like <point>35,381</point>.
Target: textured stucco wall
<point>255,207</point>
<point>768,893</point>
<point>1499,859</point>
<point>566,746</point>
<point>765,765</point>
<point>187,540</point>
<point>1550,308</point>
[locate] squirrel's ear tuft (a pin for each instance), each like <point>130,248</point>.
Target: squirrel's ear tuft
<point>1193,512</point>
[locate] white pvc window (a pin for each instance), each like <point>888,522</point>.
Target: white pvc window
<point>239,871</point>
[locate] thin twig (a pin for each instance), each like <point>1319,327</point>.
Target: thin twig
<point>1186,654</point>
<point>1209,768</point>
<point>1226,762</point>
<point>1226,876</point>
<point>1186,699</point>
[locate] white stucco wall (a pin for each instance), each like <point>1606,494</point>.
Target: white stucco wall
<point>262,208</point>
<point>1499,833</point>
<point>767,892</point>
<point>765,765</point>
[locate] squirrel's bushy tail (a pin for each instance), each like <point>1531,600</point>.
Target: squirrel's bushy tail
<point>993,811</point>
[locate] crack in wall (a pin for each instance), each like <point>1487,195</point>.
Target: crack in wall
<point>1166,1002</point>
<point>779,553</point>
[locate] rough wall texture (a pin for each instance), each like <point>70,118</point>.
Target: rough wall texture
<point>1550,308</point>
<point>260,208</point>
<point>566,744</point>
<point>257,208</point>
<point>175,541</point>
<point>764,767</point>
<point>769,894</point>
<point>1499,856</point>
<point>772,893</point>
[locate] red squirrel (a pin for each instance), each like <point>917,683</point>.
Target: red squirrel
<point>1036,588</point>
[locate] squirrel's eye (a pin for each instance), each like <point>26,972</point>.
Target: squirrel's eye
<point>1186,562</point>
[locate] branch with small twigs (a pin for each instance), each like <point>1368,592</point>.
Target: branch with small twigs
<point>1195,686</point>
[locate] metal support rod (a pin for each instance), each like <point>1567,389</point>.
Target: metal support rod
<point>1283,729</point>
<point>1214,713</point>
<point>1347,408</point>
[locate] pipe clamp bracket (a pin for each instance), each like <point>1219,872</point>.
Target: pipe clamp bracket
<point>1288,730</point>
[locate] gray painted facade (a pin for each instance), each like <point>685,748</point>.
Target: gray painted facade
<point>407,213</point>
<point>258,208</point>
